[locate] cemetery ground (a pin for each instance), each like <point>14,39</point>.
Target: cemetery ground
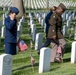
<point>21,62</point>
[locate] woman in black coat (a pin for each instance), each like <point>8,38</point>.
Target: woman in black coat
<point>11,31</point>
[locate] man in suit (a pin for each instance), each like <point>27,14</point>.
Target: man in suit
<point>11,31</point>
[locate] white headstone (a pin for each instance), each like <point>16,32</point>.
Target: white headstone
<point>3,31</point>
<point>75,34</point>
<point>18,35</point>
<point>0,36</point>
<point>74,12</point>
<point>4,8</point>
<point>64,30</point>
<point>3,18</point>
<point>39,19</point>
<point>64,16</point>
<point>6,14</point>
<point>29,14</point>
<point>31,18</point>
<point>68,23</point>
<point>37,16</point>
<point>19,28</point>
<point>23,19</point>
<point>73,52</point>
<point>5,64</point>
<point>31,22</point>
<point>38,41</point>
<point>44,62</point>
<point>33,31</point>
<point>44,15</point>
<point>44,27</point>
<point>67,16</point>
<point>19,23</point>
<point>42,22</point>
<point>70,18</point>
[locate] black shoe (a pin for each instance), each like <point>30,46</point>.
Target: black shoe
<point>38,53</point>
<point>57,60</point>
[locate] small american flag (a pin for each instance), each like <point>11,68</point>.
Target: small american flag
<point>32,60</point>
<point>22,46</point>
<point>59,50</point>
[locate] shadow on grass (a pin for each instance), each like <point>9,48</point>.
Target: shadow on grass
<point>1,51</point>
<point>23,67</point>
<point>1,46</point>
<point>66,60</point>
<point>54,68</point>
<point>68,48</point>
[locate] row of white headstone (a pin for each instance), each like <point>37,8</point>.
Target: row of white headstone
<point>37,4</point>
<point>68,18</point>
<point>68,4</point>
<point>5,3</point>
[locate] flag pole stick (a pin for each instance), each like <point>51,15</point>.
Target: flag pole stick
<point>33,68</point>
<point>31,54</point>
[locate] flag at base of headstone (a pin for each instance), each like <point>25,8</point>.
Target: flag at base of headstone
<point>22,46</point>
<point>32,60</point>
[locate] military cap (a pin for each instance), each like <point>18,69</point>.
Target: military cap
<point>63,7</point>
<point>15,10</point>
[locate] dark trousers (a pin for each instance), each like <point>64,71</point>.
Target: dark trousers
<point>10,48</point>
<point>47,42</point>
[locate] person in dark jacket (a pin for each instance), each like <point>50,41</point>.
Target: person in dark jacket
<point>11,31</point>
<point>47,18</point>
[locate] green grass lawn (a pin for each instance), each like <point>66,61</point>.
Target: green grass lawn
<point>22,65</point>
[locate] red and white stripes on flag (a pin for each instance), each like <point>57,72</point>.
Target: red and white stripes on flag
<point>32,60</point>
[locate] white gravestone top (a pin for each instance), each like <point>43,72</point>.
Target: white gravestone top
<point>73,52</point>
<point>44,62</point>
<point>5,64</point>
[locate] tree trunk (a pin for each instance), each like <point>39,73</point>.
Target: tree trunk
<point>20,5</point>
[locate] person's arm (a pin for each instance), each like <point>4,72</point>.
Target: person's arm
<point>9,24</point>
<point>48,17</point>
